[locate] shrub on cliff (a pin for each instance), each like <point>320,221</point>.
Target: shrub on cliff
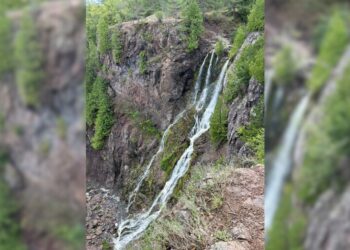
<point>9,238</point>
<point>238,40</point>
<point>249,64</point>
<point>28,56</point>
<point>92,65</point>
<point>256,18</point>
<point>285,66</point>
<point>324,162</point>
<point>103,39</point>
<point>6,62</point>
<point>101,114</point>
<point>253,134</point>
<point>219,122</point>
<point>332,47</point>
<point>219,48</point>
<point>256,65</point>
<point>241,8</point>
<point>116,46</point>
<point>192,23</point>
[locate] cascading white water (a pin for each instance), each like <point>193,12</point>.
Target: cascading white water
<point>132,196</point>
<point>268,85</point>
<point>197,86</point>
<point>131,229</point>
<point>203,97</point>
<point>283,161</point>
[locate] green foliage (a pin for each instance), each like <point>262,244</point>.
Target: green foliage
<point>219,122</point>
<point>254,133</point>
<point>222,235</point>
<point>143,62</point>
<point>146,125</point>
<point>332,47</point>
<point>72,235</point>
<point>289,225</point>
<point>285,66</point>
<point>219,48</point>
<point>249,64</point>
<point>239,38</point>
<point>117,46</point>
<point>103,39</point>
<point>28,56</point>
<point>11,237</point>
<point>61,127</point>
<point>176,142</point>
<point>192,23</point>
<point>217,201</point>
<point>92,102</point>
<point>159,15</point>
<point>336,121</point>
<point>2,121</point>
<point>6,62</point>
<point>256,18</point>
<point>256,65</point>
<point>92,66</point>
<point>241,8</point>
<point>327,143</point>
<point>106,245</point>
<point>104,117</point>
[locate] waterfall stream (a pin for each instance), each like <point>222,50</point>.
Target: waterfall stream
<point>283,162</point>
<point>132,228</point>
<point>132,196</point>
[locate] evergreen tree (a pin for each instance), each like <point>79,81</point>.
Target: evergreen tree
<point>101,113</point>
<point>103,39</point>
<point>192,23</point>
<point>6,62</point>
<point>92,65</point>
<point>28,56</point>
<point>256,18</point>
<point>116,46</point>
<point>241,8</point>
<point>218,122</point>
<point>10,232</point>
<point>332,47</point>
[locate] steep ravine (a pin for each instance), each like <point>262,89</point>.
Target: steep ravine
<point>158,95</point>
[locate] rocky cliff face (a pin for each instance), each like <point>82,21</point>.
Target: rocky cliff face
<point>46,144</point>
<point>157,93</point>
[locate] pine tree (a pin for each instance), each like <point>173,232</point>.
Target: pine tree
<point>103,39</point>
<point>28,56</point>
<point>116,46</point>
<point>192,23</point>
<point>100,112</point>
<point>92,65</point>
<point>218,122</point>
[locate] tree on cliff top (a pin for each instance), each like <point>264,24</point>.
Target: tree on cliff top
<point>28,56</point>
<point>192,23</point>
<point>103,39</point>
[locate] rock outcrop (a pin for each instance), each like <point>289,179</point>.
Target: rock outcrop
<point>240,114</point>
<point>158,93</point>
<point>46,144</point>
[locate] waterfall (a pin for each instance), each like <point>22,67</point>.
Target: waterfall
<point>131,229</point>
<point>132,196</point>
<point>199,80</point>
<point>203,97</point>
<point>269,74</point>
<point>283,162</point>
